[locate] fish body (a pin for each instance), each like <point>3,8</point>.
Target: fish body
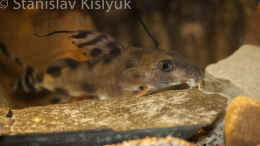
<point>112,71</point>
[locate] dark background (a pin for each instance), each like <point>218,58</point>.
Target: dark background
<point>204,31</point>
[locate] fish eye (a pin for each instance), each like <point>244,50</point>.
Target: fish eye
<point>166,65</point>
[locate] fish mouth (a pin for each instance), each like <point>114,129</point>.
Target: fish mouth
<point>187,84</point>
<point>193,83</point>
<point>181,85</point>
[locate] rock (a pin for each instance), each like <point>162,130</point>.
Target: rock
<point>242,122</point>
<point>242,69</point>
<point>162,110</point>
<point>234,76</point>
<point>213,85</point>
<point>168,141</point>
<point>215,137</point>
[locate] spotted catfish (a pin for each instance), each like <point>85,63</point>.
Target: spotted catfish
<point>112,71</point>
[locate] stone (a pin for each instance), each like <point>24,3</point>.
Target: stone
<point>213,85</point>
<point>242,122</point>
<point>168,141</point>
<point>215,137</point>
<point>242,69</point>
<point>162,110</point>
<point>234,76</point>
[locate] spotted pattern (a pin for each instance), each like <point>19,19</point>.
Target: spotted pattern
<point>92,42</point>
<point>4,49</point>
<point>73,64</point>
<point>54,71</point>
<point>96,52</point>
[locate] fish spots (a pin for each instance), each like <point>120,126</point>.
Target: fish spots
<point>82,35</point>
<point>9,114</point>
<point>136,76</point>
<point>114,49</point>
<point>73,64</point>
<point>39,77</point>
<point>18,61</point>
<point>29,80</point>
<point>93,42</point>
<point>88,87</point>
<point>114,52</point>
<point>101,47</point>
<point>91,64</point>
<point>95,52</point>
<point>130,63</point>
<point>62,91</point>
<point>54,71</point>
<point>55,100</point>
<point>29,70</point>
<point>4,49</point>
<point>19,85</point>
<point>107,59</point>
<point>141,88</point>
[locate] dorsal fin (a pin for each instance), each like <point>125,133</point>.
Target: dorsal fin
<point>95,44</point>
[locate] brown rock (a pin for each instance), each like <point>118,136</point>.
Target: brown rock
<point>168,141</point>
<point>167,109</point>
<point>242,126</point>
